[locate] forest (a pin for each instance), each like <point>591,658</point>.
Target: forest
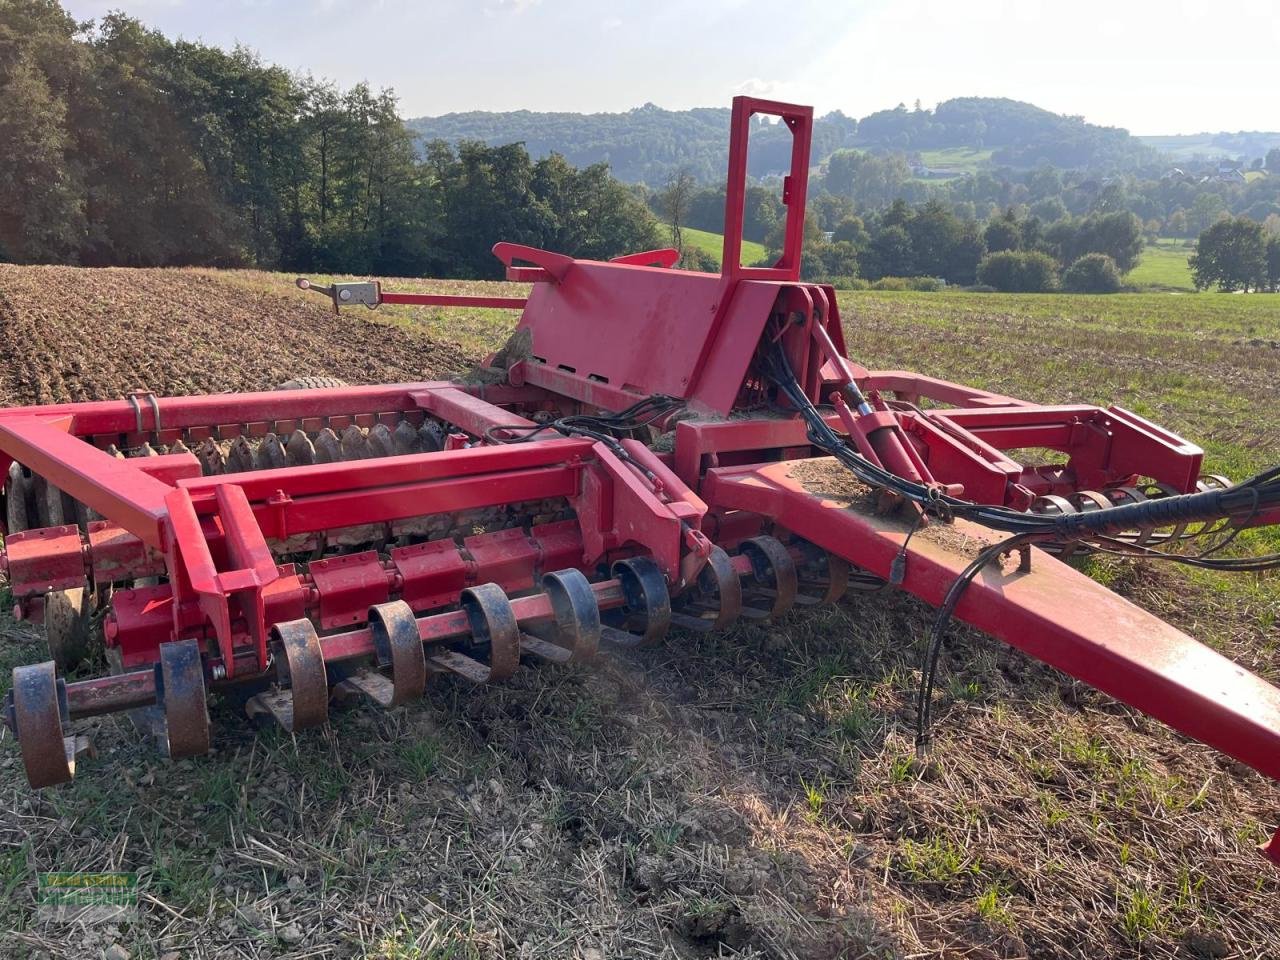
<point>123,147</point>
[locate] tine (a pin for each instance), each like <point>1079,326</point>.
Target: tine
<point>692,623</point>
<point>545,649</point>
<point>454,662</point>
<point>372,684</point>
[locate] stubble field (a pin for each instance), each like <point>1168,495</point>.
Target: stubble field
<point>748,794</point>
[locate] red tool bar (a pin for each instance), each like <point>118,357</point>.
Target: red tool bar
<point>448,300</point>
<point>912,386</point>
<point>696,438</point>
<point>361,475</point>
<point>115,488</point>
<point>355,507</point>
<point>471,414</point>
<point>593,393</point>
<point>1053,613</point>
<point>120,416</point>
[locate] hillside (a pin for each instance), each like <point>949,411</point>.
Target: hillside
<point>1245,145</point>
<point>647,144</point>
<point>643,145</point>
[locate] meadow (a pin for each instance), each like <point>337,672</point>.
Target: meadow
<point>1163,268</point>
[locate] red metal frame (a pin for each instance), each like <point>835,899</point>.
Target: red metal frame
<point>603,336</point>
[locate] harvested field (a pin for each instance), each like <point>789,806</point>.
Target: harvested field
<point>71,334</point>
<point>747,794</point>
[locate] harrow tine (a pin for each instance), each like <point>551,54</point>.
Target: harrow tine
<point>646,617</point>
<point>397,645</point>
<point>48,502</point>
<point>495,632</point>
<point>212,460</point>
<point>354,445</point>
<point>405,439</point>
<point>270,455</point>
<point>380,442</point>
<point>327,447</point>
<point>240,459</point>
<point>718,593</point>
<point>775,571</point>
<point>431,436</point>
<point>180,687</point>
<point>38,705</point>
<point>15,501</point>
<point>300,664</point>
<point>299,450</point>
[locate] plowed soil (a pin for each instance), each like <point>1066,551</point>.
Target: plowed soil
<point>753,793</point>
<point>71,334</point>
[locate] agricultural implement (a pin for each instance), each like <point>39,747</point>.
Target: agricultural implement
<point>654,448</point>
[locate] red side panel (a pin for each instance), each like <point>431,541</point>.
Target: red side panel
<point>634,327</point>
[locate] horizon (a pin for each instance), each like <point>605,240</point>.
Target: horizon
<point>1089,65</point>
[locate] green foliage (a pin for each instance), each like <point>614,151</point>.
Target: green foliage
<point>890,283</point>
<point>123,147</point>
<point>1092,273</point>
<point>697,259</point>
<point>704,249</point>
<point>920,284</point>
<point>1003,234</point>
<point>1019,272</point>
<point>1231,254</point>
<point>1118,235</point>
<point>643,145</point>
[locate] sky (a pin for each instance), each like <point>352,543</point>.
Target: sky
<point>1150,66</point>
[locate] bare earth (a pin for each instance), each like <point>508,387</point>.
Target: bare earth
<point>748,794</point>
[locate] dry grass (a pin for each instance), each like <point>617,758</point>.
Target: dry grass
<point>747,794</point>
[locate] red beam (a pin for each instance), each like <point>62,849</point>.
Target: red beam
<point>447,300</point>
<point>360,475</point>
<point>116,488</point>
<point>1053,613</point>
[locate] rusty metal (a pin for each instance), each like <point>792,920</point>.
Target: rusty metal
<point>398,648</point>
<point>180,688</point>
<point>646,614</point>
<point>493,652</point>
<point>576,627</point>
<point>38,709</point>
<point>773,569</point>
<point>302,701</point>
<point>715,601</point>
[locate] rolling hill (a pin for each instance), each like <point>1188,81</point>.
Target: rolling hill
<point>648,144</point>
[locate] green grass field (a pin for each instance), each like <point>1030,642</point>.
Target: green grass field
<point>1163,267</point>
<point>712,244</point>
<point>956,160</point>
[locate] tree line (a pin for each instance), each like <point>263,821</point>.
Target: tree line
<point>123,147</point>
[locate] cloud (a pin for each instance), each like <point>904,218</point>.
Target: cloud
<point>514,7</point>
